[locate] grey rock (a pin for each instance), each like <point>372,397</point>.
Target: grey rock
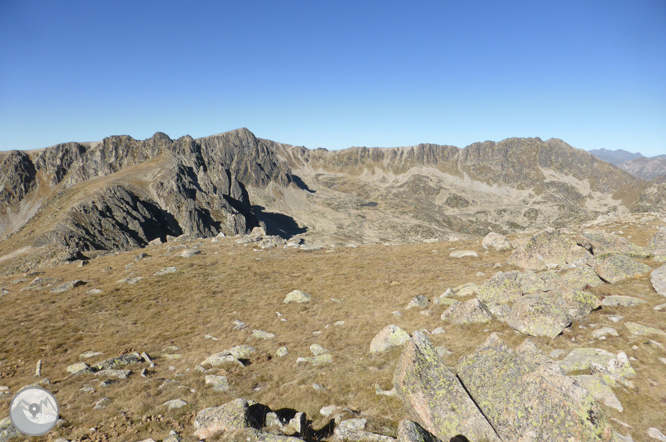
<point>297,296</point>
<point>260,334</point>
<point>496,241</point>
<point>603,332</point>
<point>622,301</point>
<point>353,430</point>
<point>131,281</point>
<point>231,416</point>
<point>118,374</point>
<point>102,403</point>
<point>175,404</point>
<point>502,288</point>
<point>316,360</point>
<point>463,254</point>
<point>219,383</point>
<point>581,358</point>
<point>615,268</point>
<point>107,383</point>
<point>656,434</point>
<point>239,325</point>
<point>223,359</point>
<point>538,315</point>
<point>389,337</point>
<point>254,435</point>
<point>68,286</point>
<point>172,437</point>
<point>600,242</point>
<point>526,396</point>
<point>190,253</point>
<point>658,280</point>
<point>409,431</point>
<point>131,358</point>
<point>550,246</point>
<point>420,301</point>
<point>317,349</point>
<point>472,311</point>
<point>429,390</point>
<point>601,391</point>
<point>7,430</point>
<point>282,352</point>
<point>165,271</point>
<point>79,367</point>
<point>639,329</point>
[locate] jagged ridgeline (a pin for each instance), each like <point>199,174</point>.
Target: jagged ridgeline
<point>120,194</point>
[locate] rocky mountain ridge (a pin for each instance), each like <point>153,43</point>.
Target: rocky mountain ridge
<point>122,193</point>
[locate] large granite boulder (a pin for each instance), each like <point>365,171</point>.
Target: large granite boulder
<point>526,397</point>
<point>538,315</point>
<point>435,396</point>
<point>601,242</point>
<point>582,358</point>
<point>658,280</point>
<point>389,337</point>
<point>615,268</point>
<point>657,245</point>
<point>547,247</point>
<point>502,288</point>
<point>409,431</point>
<point>472,311</point>
<point>496,241</point>
<point>231,416</point>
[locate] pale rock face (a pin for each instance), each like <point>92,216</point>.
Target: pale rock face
<point>658,279</point>
<point>468,312</point>
<point>231,416</point>
<point>538,315</point>
<point>615,268</point>
<point>389,337</point>
<point>496,241</point>
<point>297,296</point>
<point>545,248</point>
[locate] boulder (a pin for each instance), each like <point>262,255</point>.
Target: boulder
<point>581,358</point>
<point>526,397</point>
<point>603,332</point>
<point>658,280</point>
<point>219,383</point>
<point>420,301</point>
<point>468,312</point>
<point>622,301</point>
<point>79,367</point>
<point>223,359</point>
<point>242,351</point>
<point>435,396</point>
<point>409,431</point>
<point>389,337</point>
<point>296,296</point>
<point>7,430</point>
<point>615,268</point>
<point>317,349</point>
<point>463,254</point>
<point>502,288</point>
<point>326,358</point>
<point>253,435</point>
<point>353,430</point>
<point>496,241</point>
<point>549,246</point>
<point>577,303</point>
<point>231,416</point>
<point>175,404</point>
<point>165,271</point>
<point>600,242</point>
<point>638,329</point>
<point>260,334</point>
<point>578,278</point>
<point>599,390</point>
<point>538,315</point>
<point>657,245</point>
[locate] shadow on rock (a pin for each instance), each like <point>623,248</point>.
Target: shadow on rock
<point>278,224</point>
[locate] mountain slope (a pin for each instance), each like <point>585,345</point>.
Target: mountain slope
<point>615,157</point>
<point>645,168</point>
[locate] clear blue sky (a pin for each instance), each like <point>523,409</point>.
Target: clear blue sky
<point>335,74</point>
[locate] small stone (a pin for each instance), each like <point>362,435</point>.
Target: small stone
<point>389,337</point>
<point>175,404</point>
<point>660,307</point>
<point>603,332</point>
<point>165,271</point>
<point>102,403</point>
<point>87,390</point>
<point>438,331</point>
<point>282,352</point>
<point>317,349</point>
<point>190,253</point>
<point>297,296</point>
<point>239,325</point>
<point>615,318</point>
<point>442,351</point>
<point>656,434</point>
<point>94,292</point>
<point>339,323</point>
<point>78,367</point>
<point>318,387</point>
<point>260,334</point>
<point>397,314</point>
<point>420,301</point>
<point>219,383</point>
<point>639,329</point>
<point>463,254</point>
<point>131,281</point>
<point>107,383</point>
<point>316,360</point>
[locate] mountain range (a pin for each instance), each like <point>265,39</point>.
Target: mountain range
<point>77,200</point>
<point>634,163</point>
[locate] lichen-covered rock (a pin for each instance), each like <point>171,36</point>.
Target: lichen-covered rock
<point>472,311</point>
<point>603,332</point>
<point>420,301</point>
<point>502,288</point>
<point>657,245</point>
<point>353,430</point>
<point>231,416</point>
<point>410,431</point>
<point>223,359</point>
<point>622,301</point>
<point>601,242</point>
<point>130,358</point>
<point>639,329</point>
<point>530,282</point>
<point>550,246</point>
<point>599,390</point>
<point>7,430</point>
<point>496,241</point>
<point>389,337</point>
<point>526,396</point>
<point>538,315</point>
<point>435,396</point>
<point>578,278</point>
<point>577,303</point>
<point>297,296</point>
<point>615,268</point>
<point>79,367</point>
<point>581,359</point>
<point>219,383</point>
<point>658,280</point>
<point>316,360</point>
<point>463,254</point>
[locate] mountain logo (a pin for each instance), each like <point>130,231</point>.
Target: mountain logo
<point>34,411</point>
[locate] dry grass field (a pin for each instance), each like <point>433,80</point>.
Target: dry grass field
<point>194,308</point>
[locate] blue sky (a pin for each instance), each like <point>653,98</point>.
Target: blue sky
<point>335,74</point>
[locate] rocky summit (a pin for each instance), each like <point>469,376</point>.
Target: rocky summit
<point>237,289</point>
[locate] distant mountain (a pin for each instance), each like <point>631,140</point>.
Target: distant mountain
<point>615,157</point>
<point>74,200</point>
<point>645,168</point>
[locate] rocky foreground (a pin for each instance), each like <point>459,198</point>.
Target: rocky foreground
<point>552,335</point>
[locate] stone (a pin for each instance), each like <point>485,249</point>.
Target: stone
<point>622,301</point>
<point>601,242</point>
<point>316,360</point>
<point>231,416</point>
<point>380,392</point>
<point>79,367</point>
<point>581,358</point>
<point>68,286</point>
<point>223,359</point>
<point>239,325</point>
<point>131,281</point>
<point>526,397</point>
<point>442,351</point>
<point>172,437</point>
<point>219,383</point>
<point>438,331</point>
<point>579,277</point>
<point>599,390</point>
<point>603,332</point>
<point>472,311</point>
<point>317,349</point>
<point>638,329</point>
<point>94,292</point>
<point>260,334</point>
<point>130,358</point>
<point>496,241</point>
<point>353,430</point>
<point>282,352</point>
<point>175,404</point>
<point>615,268</point>
<point>658,280</point>
<point>118,374</point>
<point>389,337</point>
<point>107,383</point>
<point>297,296</point>
<point>165,271</point>
<point>660,307</point>
<point>190,253</point>
<point>466,289</point>
<point>538,315</point>
<point>656,434</point>
<point>90,354</point>
<point>435,396</point>
<point>444,300</point>
<point>253,435</point>
<point>657,245</point>
<point>549,246</point>
<point>242,351</point>
<point>339,323</point>
<point>501,288</point>
<point>7,430</point>
<point>463,254</point>
<point>102,403</point>
<point>420,301</point>
<point>410,431</point>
